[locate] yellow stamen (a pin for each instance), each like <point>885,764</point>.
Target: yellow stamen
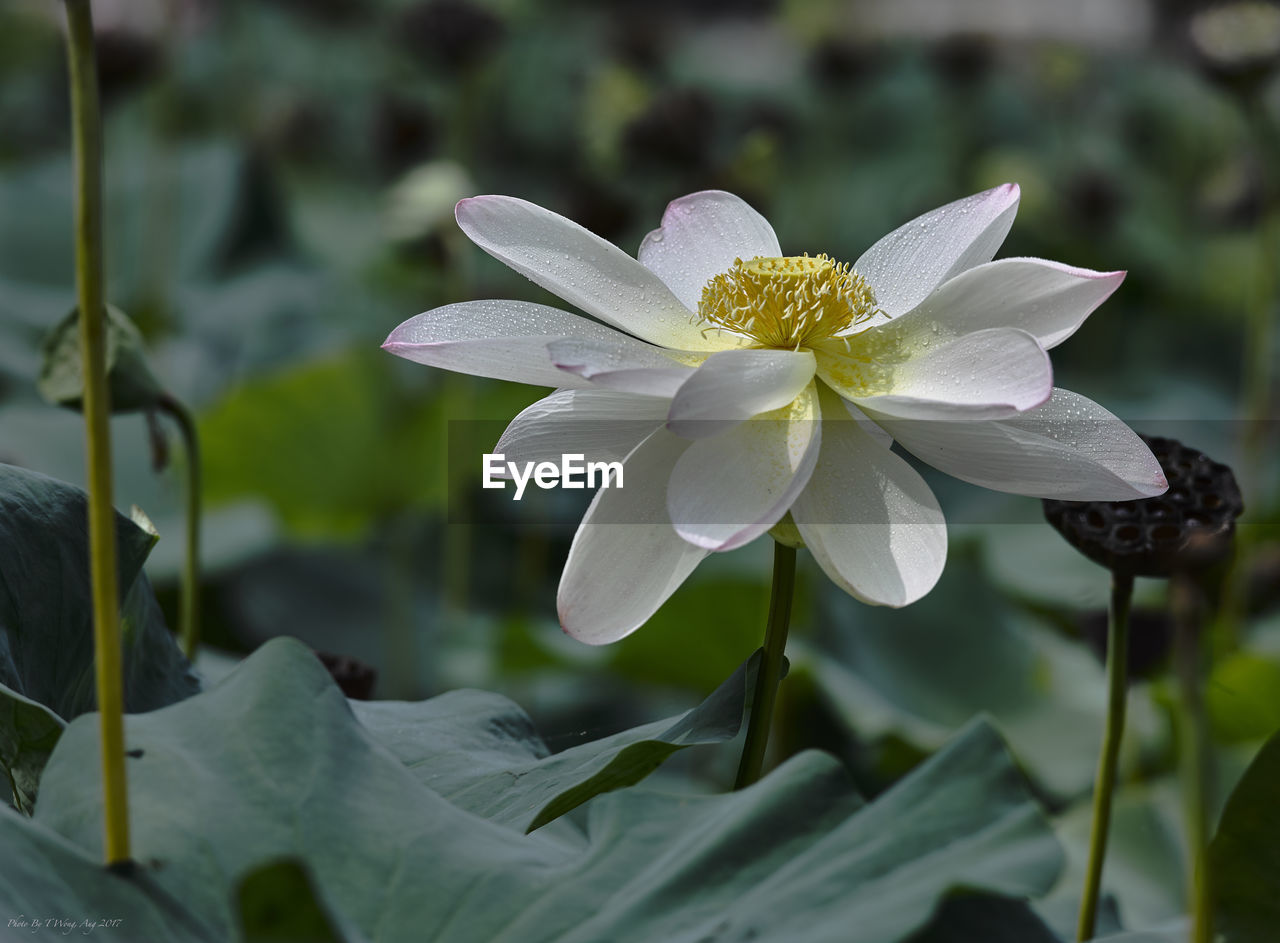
<point>786,303</point>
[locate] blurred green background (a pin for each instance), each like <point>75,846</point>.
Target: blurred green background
<point>281,176</point>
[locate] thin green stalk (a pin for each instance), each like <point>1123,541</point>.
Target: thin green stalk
<point>1113,733</point>
<point>771,661</point>
<point>190,608</point>
<point>86,134</point>
<point>1194,756</point>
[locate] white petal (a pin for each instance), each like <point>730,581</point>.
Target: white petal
<point>1069,448</point>
<point>869,519</point>
<point>581,268</point>
<point>505,340</point>
<point>1046,299</point>
<point>701,236</point>
<point>734,385</point>
<point>867,424</point>
<point>984,375</point>
<point>913,260</point>
<point>728,489</point>
<point>601,425</point>
<point>629,365</point>
<point>626,558</point>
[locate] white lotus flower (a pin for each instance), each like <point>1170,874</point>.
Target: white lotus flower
<point>923,340</point>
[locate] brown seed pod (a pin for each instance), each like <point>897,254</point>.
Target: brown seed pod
<point>1189,527</point>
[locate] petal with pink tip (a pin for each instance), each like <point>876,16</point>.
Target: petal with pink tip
<point>700,237</point>
<point>505,340</point>
<point>583,269</point>
<point>1046,299</point>
<point>910,262</point>
<point>1069,448</point>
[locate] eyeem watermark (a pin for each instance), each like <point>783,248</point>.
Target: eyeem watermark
<point>574,471</point>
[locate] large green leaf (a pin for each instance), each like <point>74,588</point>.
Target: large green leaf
<point>45,876</point>
<point>1245,854</point>
<point>46,639</point>
<point>278,903</point>
<point>28,732</point>
<point>507,775</point>
<point>271,764</point>
<point>46,606</point>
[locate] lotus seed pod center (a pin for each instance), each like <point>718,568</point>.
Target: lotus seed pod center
<point>793,266</point>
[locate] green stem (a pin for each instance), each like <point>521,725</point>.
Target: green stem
<point>190,614</point>
<point>771,661</point>
<point>1194,755</point>
<point>1104,785</point>
<point>86,135</point>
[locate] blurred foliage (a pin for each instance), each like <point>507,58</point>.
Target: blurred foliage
<point>279,177</point>
<point>130,381</point>
<point>1244,854</point>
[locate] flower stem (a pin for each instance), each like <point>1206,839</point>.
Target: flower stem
<point>1104,785</point>
<point>190,612</point>
<point>771,661</point>
<point>86,134</point>
<point>1194,755</point>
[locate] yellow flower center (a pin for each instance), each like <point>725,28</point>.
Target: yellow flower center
<point>786,303</point>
